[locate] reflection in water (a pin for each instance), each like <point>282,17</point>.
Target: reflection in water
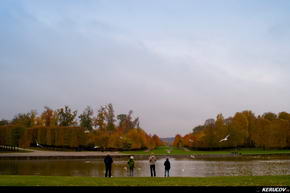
<point>179,167</point>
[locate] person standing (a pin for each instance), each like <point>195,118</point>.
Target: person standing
<point>152,161</point>
<point>131,164</point>
<point>167,167</point>
<point>108,165</point>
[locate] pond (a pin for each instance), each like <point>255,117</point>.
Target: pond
<point>179,167</point>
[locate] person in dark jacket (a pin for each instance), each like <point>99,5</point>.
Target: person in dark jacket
<point>108,165</point>
<point>131,164</point>
<point>167,167</point>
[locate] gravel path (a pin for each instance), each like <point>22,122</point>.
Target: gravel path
<point>39,153</point>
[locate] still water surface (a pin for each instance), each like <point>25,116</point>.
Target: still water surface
<point>179,167</point>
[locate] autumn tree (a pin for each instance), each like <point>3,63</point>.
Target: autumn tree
<point>49,117</point>
<point>260,132</point>
<point>189,140</point>
<point>157,141</point>
<point>251,118</point>
<point>276,134</point>
<point>59,129</point>
<point>238,130</point>
<point>178,142</point>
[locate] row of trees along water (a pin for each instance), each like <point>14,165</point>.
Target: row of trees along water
<point>244,129</point>
<point>64,128</point>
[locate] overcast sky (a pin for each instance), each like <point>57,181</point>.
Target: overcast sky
<point>175,63</point>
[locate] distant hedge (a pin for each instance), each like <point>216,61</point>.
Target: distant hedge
<point>47,136</point>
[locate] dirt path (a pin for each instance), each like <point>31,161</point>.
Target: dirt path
<point>38,153</point>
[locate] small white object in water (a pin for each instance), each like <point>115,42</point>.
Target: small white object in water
<point>182,170</point>
<point>87,162</point>
<point>125,168</point>
<point>192,156</point>
<point>37,144</point>
<point>138,168</point>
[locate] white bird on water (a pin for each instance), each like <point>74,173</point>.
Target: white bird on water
<point>224,139</point>
<point>37,144</point>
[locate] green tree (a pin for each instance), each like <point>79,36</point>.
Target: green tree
<point>24,119</point>
<point>66,117</point>
<point>270,116</point>
<point>110,117</point>
<point>126,122</point>
<point>99,121</point>
<point>86,118</point>
<point>4,122</point>
<point>284,116</point>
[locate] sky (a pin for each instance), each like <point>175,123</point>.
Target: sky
<point>175,63</point>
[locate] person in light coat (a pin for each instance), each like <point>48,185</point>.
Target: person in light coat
<point>152,161</point>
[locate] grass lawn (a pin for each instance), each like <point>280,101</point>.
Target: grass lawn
<point>181,151</point>
<point>19,180</point>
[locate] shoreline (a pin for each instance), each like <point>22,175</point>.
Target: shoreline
<point>49,155</point>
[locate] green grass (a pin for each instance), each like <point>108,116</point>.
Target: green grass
<point>19,180</point>
<point>181,151</point>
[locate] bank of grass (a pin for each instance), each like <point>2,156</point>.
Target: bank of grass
<point>21,180</point>
<point>165,150</point>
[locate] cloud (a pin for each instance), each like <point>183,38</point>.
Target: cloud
<point>55,54</point>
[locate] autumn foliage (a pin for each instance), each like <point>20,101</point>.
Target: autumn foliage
<point>60,129</point>
<point>244,129</point>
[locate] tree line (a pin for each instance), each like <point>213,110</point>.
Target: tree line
<point>244,129</point>
<point>63,128</point>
